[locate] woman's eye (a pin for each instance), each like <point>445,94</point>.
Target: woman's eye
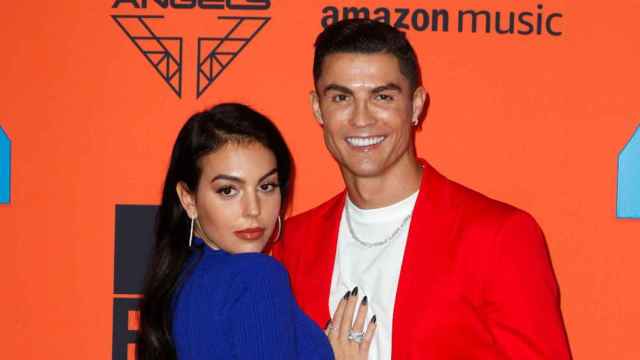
<point>268,187</point>
<point>226,191</point>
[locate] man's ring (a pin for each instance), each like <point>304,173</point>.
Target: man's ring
<point>355,336</point>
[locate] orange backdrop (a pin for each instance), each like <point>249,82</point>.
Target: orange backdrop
<point>534,120</point>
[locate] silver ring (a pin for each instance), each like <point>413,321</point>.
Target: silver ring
<point>355,336</point>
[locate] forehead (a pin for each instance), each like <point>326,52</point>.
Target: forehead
<point>246,160</point>
<point>356,68</point>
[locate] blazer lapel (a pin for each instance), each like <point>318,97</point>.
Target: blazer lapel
<point>316,268</point>
<point>424,258</point>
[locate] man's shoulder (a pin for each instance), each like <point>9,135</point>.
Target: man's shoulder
<point>318,213</point>
<point>475,199</point>
<point>301,229</point>
<point>483,224</point>
<point>476,207</point>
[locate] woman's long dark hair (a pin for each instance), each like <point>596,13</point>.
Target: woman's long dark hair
<point>202,134</point>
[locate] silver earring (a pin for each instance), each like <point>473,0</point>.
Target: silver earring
<point>279,220</point>
<point>191,232</point>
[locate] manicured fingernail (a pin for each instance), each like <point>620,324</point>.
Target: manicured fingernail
<point>355,291</point>
<point>373,319</point>
<point>365,300</point>
<point>328,323</point>
<point>346,296</point>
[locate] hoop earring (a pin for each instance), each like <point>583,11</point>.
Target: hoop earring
<point>279,220</point>
<point>191,232</point>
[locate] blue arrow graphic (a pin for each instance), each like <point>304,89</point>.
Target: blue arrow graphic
<point>629,179</point>
<point>5,168</point>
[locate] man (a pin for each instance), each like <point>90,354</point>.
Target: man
<point>448,272</point>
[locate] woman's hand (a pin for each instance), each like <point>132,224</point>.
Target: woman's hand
<point>350,341</point>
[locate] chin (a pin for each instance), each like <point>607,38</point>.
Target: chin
<point>365,170</point>
<point>242,247</point>
<point>248,250</point>
<point>256,248</point>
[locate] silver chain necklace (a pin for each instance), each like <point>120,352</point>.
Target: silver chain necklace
<point>377,243</point>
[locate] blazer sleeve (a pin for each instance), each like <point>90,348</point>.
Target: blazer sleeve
<point>522,295</point>
<point>263,313</point>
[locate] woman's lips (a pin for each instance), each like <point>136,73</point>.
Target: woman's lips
<point>250,233</point>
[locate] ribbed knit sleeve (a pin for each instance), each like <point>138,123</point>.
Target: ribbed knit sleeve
<point>263,313</point>
<point>241,307</point>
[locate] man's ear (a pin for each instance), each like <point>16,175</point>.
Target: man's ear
<point>315,107</point>
<point>419,104</point>
<point>187,199</point>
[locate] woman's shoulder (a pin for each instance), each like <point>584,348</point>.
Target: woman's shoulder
<point>227,279</point>
<point>256,267</point>
<point>244,268</point>
<point>252,277</point>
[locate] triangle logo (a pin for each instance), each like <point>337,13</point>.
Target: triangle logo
<point>215,54</point>
<point>162,52</point>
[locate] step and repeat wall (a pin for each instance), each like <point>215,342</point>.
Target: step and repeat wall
<point>532,102</point>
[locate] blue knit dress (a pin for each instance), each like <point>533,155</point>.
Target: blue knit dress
<point>241,307</point>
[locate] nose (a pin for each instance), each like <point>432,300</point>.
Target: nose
<point>252,204</point>
<point>362,116</point>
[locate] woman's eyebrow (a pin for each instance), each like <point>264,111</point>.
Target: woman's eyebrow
<point>273,171</point>
<point>228,177</point>
<point>240,180</point>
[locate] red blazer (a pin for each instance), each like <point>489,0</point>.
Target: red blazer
<point>476,280</point>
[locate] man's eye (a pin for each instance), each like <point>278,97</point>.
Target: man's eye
<point>384,97</point>
<point>340,98</point>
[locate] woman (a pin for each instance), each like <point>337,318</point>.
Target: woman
<point>210,292</point>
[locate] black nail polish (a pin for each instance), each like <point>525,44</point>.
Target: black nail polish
<point>365,300</point>
<point>346,296</point>
<point>373,319</point>
<point>355,291</point>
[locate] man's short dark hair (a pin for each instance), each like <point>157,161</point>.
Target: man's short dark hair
<point>366,36</point>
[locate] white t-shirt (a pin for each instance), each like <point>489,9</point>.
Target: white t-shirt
<point>375,270</point>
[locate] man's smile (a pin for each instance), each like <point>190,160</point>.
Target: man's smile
<point>364,141</point>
